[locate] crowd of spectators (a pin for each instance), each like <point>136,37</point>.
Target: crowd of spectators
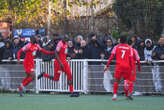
<point>79,48</point>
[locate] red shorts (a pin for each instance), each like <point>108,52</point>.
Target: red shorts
<point>58,70</point>
<point>29,67</point>
<point>122,73</point>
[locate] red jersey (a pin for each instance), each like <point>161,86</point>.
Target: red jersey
<point>62,51</point>
<point>123,53</point>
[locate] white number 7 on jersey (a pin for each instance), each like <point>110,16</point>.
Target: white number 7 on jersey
<point>123,53</point>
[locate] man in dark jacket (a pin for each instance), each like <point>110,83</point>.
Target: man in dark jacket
<point>83,50</point>
<point>158,53</point>
<point>17,44</point>
<point>95,47</point>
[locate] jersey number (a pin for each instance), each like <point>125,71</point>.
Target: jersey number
<point>123,53</point>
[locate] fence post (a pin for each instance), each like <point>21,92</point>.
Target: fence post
<point>85,77</point>
<point>37,71</point>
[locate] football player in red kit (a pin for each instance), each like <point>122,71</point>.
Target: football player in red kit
<point>129,89</point>
<point>61,49</point>
<point>123,53</point>
<point>30,49</point>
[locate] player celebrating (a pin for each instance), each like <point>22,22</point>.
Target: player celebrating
<point>30,49</point>
<point>128,91</point>
<point>61,49</point>
<point>123,69</point>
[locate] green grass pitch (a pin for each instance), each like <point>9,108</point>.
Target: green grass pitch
<point>84,102</point>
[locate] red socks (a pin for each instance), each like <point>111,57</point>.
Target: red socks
<point>115,87</point>
<point>70,88</point>
<point>131,87</point>
<point>27,81</point>
<point>24,80</point>
<point>20,88</point>
<point>126,87</point>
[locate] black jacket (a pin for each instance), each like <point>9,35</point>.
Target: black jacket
<point>159,50</point>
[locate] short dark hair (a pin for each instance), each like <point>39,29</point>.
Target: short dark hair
<point>129,42</point>
<point>123,38</point>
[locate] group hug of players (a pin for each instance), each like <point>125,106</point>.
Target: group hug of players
<point>126,58</point>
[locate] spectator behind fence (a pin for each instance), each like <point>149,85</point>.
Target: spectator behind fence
<point>134,41</point>
<point>158,53</point>
<point>140,49</point>
<point>8,51</point>
<point>149,47</point>
<point>105,37</point>
<point>2,45</point>
<point>71,50</point>
<point>108,48</point>
<point>78,40</point>
<point>17,44</point>
<point>95,47</point>
<point>44,41</point>
<point>83,50</point>
<point>39,40</point>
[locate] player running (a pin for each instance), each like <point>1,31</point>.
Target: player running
<point>129,89</point>
<point>30,49</point>
<point>123,53</point>
<point>61,49</point>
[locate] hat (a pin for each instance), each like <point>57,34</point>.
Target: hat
<point>148,40</point>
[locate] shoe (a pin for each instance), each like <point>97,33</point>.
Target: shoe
<point>41,75</point>
<point>20,93</point>
<point>114,97</point>
<point>21,89</point>
<point>74,94</point>
<point>129,97</point>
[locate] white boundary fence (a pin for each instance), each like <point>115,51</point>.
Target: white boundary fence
<point>79,74</point>
<point>89,77</point>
